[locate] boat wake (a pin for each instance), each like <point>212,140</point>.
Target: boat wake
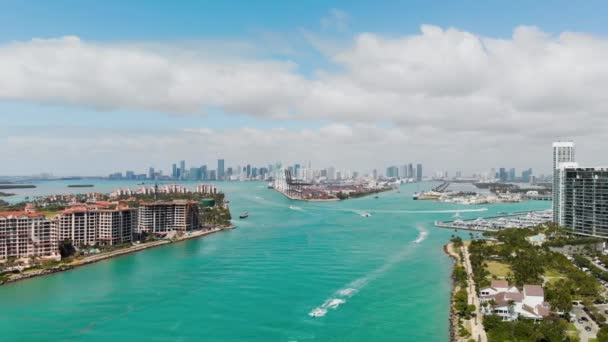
<point>342,295</point>
<point>293,207</point>
<point>421,236</point>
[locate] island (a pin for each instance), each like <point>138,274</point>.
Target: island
<point>80,185</point>
<point>7,186</point>
<point>119,223</point>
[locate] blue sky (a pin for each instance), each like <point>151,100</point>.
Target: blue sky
<point>308,44</point>
<point>160,20</point>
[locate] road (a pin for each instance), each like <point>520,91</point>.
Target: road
<point>477,331</point>
<point>584,334</point>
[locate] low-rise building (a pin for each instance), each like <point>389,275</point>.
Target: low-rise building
<point>27,234</point>
<point>510,304</point>
<point>165,216</point>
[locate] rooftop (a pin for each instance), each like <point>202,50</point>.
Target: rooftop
<point>20,214</point>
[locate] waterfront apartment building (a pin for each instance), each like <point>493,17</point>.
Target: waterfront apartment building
<point>563,152</point>
<point>163,217</point>
<point>582,201</point>
<point>27,234</point>
<point>102,223</point>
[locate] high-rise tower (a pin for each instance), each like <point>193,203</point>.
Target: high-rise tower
<point>563,152</point>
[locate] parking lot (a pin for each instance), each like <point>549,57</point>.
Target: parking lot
<point>583,321</point>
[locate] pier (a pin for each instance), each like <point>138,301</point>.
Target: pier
<point>441,187</point>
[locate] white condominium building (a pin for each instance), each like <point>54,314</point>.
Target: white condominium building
<point>563,152</point>
<point>102,223</point>
<point>583,199</point>
<point>26,234</point>
<point>162,217</point>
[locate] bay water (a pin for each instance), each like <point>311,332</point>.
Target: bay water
<point>292,271</point>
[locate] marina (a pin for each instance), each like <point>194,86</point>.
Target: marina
<point>499,222</point>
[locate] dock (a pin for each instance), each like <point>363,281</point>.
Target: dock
<point>499,222</point>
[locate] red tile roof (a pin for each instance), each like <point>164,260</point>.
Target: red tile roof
<point>503,298</point>
<point>499,283</point>
<point>19,213</point>
<point>534,290</point>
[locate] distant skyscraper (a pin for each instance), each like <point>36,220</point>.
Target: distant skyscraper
<point>130,175</point>
<point>410,171</point>
<point>419,172</point>
<point>182,169</point>
<point>220,169</point>
<point>204,172</point>
<point>392,172</point>
<point>526,175</point>
<point>502,174</point>
<point>174,173</point>
<point>512,175</point>
<point>248,170</point>
<point>151,173</point>
<point>375,174</point>
<point>563,152</point>
<point>331,173</point>
<point>195,174</point>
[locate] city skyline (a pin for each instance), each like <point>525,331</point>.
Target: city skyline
<point>347,85</point>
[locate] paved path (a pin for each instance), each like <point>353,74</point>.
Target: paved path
<point>477,332</point>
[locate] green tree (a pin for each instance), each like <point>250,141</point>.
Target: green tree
<point>558,295</point>
<point>602,335</point>
<point>66,248</point>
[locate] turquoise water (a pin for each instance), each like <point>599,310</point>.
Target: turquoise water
<point>260,282</point>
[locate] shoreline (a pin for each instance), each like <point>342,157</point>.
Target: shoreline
<point>448,249</point>
<point>473,325</point>
<point>113,254</point>
<point>307,200</point>
<point>331,199</point>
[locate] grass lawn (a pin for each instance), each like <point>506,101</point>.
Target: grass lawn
<point>553,273</point>
<point>498,269</point>
<point>592,339</point>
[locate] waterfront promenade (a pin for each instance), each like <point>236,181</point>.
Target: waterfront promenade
<point>476,323</point>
